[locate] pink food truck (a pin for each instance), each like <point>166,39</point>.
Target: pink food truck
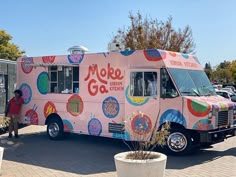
<point>97,94</point>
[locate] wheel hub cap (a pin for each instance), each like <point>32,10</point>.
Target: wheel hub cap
<point>177,142</point>
<point>53,129</point>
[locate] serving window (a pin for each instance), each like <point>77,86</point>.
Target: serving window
<point>63,79</point>
<point>143,84</point>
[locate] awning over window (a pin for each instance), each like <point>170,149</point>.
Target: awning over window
<point>50,64</point>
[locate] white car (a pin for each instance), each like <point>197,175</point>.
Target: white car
<point>231,87</point>
<point>228,95</point>
<point>217,87</point>
<point>228,89</point>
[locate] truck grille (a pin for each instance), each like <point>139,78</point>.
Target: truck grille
<point>223,118</point>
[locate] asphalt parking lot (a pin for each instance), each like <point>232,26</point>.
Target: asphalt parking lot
<point>34,155</point>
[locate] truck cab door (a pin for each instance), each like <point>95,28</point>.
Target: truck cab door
<point>171,102</point>
<point>142,101</point>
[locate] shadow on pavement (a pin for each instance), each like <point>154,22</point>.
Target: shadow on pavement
<point>85,154</point>
<point>199,157</point>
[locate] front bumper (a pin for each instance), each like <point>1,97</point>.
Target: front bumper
<point>217,135</point>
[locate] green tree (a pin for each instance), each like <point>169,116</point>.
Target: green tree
<point>8,50</point>
<point>223,73</point>
<point>233,70</point>
<point>146,33</point>
<point>208,70</point>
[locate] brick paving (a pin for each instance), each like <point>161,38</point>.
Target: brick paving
<point>34,155</point>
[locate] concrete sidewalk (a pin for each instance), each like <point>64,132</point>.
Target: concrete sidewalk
<point>34,155</point>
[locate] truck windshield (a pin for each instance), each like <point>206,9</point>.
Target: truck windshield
<point>192,82</point>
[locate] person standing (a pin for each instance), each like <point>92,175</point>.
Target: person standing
<point>14,107</point>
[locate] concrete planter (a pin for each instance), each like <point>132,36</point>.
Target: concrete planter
<point>140,168</point>
<point>1,156</point>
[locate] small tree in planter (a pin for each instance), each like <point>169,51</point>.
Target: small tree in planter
<point>141,160</point>
<point>4,123</point>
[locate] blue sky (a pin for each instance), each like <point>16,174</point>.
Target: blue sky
<point>50,27</point>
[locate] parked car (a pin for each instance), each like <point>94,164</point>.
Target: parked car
<point>228,89</point>
<point>232,88</point>
<point>227,95</point>
<point>217,86</point>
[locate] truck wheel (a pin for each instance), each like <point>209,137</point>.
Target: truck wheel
<point>179,142</point>
<point>55,129</point>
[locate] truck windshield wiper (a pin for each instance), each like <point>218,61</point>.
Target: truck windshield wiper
<point>208,90</point>
<point>190,93</point>
<point>196,92</point>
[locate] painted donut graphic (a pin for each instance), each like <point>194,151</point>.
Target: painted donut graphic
<point>172,115</point>
<point>68,127</point>
<point>197,108</point>
<point>33,116</point>
<point>186,56</point>
<point>154,54</point>
<point>75,105</point>
<point>173,54</point>
<point>26,64</point>
<point>203,125</point>
<point>141,124</point>
<point>48,59</point>
<point>135,101</point>
<point>110,107</point>
<point>127,52</point>
<point>27,92</point>
<point>94,127</point>
<point>49,108</point>
<point>75,58</point>
<point>42,83</point>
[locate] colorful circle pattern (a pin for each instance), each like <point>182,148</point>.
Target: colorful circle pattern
<point>75,105</point>
<point>127,52</point>
<point>135,101</point>
<point>33,116</point>
<point>223,106</point>
<point>94,127</point>
<point>27,92</point>
<point>25,64</point>
<point>186,56</point>
<point>110,107</point>
<point>42,83</point>
<point>203,125</point>
<point>76,58</point>
<point>49,108</point>
<point>48,59</point>
<point>68,127</point>
<point>173,54</point>
<point>141,124</point>
<point>197,108</point>
<point>172,115</point>
<point>154,54</point>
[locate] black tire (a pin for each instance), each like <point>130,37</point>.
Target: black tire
<point>55,129</point>
<point>179,142</point>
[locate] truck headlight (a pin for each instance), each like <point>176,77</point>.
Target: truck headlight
<point>210,115</point>
<point>235,112</point>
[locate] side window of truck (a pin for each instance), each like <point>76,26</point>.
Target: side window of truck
<point>168,89</point>
<point>63,79</point>
<point>143,84</point>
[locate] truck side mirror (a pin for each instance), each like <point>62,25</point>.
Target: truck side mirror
<point>233,98</point>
